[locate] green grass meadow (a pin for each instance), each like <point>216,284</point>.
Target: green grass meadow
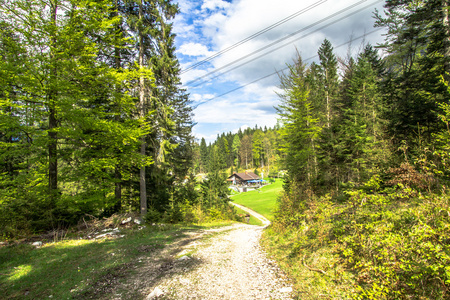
<point>263,200</point>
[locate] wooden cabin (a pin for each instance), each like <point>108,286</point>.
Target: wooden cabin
<point>246,178</point>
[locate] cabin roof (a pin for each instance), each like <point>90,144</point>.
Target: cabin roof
<point>246,176</point>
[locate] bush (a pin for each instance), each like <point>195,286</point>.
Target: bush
<point>393,245</point>
<point>152,216</point>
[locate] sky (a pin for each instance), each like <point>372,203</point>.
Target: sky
<point>225,91</point>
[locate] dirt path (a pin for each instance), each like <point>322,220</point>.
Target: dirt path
<point>263,219</point>
<point>221,263</point>
<point>226,265</point>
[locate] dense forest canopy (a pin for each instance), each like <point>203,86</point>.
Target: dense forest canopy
<point>93,115</point>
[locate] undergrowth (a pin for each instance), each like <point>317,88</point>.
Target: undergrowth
<point>391,244</point>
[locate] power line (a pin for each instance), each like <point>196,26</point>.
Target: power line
<point>286,37</point>
<point>287,44</point>
<point>298,13</point>
<point>282,70</point>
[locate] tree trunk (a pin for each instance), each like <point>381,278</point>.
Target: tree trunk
<point>142,183</point>
<point>446,39</point>
<point>117,175</point>
<point>328,110</point>
<point>52,120</point>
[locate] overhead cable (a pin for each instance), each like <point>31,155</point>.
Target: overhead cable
<point>284,45</point>
<point>289,36</point>
<point>282,70</point>
<point>274,25</point>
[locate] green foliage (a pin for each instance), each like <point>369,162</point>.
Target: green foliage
<point>257,148</point>
<point>379,246</point>
<point>243,150</point>
<point>417,46</point>
<point>300,125</point>
<point>402,247</point>
<point>214,191</point>
<point>365,209</point>
<point>70,126</point>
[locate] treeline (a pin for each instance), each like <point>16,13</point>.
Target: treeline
<point>366,143</point>
<point>251,148</point>
<point>93,119</point>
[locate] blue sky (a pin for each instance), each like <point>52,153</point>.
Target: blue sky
<point>205,27</point>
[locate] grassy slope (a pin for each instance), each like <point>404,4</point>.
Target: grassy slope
<point>71,268</point>
<point>262,201</point>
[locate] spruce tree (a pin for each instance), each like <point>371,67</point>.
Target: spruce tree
<point>300,127</point>
<point>417,43</point>
<point>326,102</point>
<point>258,149</point>
<point>235,150</point>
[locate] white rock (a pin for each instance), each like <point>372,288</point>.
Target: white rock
<point>185,257</point>
<point>157,292</point>
<point>138,221</point>
<point>127,220</point>
<point>286,290</point>
<point>37,244</point>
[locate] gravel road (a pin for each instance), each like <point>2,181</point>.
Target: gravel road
<point>226,263</point>
<point>220,263</point>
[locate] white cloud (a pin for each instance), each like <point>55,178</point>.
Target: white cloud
<point>213,4</point>
<point>201,97</point>
<point>194,49</point>
<point>194,74</point>
<point>249,16</point>
<point>185,6</point>
<point>236,111</point>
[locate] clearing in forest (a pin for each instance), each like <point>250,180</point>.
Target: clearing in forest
<point>263,200</point>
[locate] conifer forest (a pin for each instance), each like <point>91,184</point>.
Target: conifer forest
<point>94,121</point>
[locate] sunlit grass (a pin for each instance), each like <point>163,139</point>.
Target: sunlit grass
<point>263,200</point>
<point>20,271</point>
<point>69,268</point>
